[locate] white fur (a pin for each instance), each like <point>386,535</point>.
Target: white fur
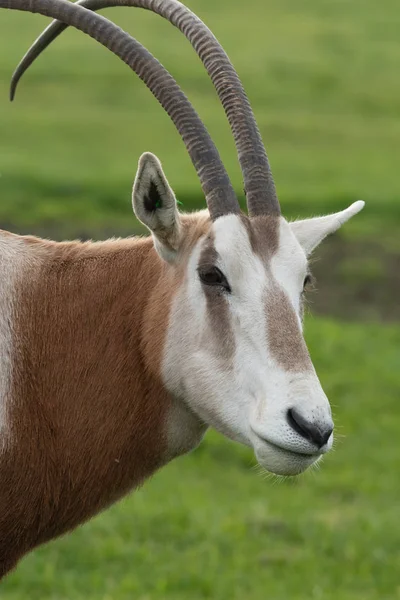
<point>13,260</point>
<point>248,399</point>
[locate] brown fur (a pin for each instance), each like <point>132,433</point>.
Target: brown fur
<point>88,412</point>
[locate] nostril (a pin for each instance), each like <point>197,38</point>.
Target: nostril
<point>316,434</point>
<point>298,423</point>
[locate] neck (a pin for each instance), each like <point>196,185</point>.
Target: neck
<point>88,417</point>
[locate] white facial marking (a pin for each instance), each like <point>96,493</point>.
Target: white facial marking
<point>276,443</point>
<point>289,265</point>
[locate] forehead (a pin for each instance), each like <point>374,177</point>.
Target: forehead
<point>265,266</point>
<point>241,241</point>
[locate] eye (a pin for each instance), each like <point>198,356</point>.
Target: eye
<point>308,282</point>
<point>213,276</point>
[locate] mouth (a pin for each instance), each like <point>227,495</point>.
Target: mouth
<point>285,448</point>
<point>281,460</point>
<point>294,452</point>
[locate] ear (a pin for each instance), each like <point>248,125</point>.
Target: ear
<point>154,204</point>
<point>311,232</point>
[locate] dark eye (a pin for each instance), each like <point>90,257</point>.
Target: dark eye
<point>308,282</point>
<point>213,276</point>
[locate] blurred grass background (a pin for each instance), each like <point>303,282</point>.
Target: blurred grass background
<point>322,76</point>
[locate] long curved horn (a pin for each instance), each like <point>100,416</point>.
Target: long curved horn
<point>220,196</point>
<point>258,181</point>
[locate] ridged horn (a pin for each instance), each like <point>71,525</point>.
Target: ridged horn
<point>220,196</point>
<point>258,181</point>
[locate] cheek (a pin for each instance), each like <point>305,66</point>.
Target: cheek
<point>185,334</point>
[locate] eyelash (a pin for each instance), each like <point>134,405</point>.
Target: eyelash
<point>308,282</point>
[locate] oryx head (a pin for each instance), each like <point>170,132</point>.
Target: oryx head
<point>234,352</point>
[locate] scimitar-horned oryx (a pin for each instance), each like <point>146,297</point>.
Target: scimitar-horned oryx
<point>116,356</point>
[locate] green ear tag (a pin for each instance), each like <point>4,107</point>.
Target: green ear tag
<point>179,202</point>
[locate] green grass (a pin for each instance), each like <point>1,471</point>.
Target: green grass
<point>209,526</point>
<point>322,76</point>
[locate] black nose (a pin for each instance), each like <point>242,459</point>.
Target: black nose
<point>317,434</point>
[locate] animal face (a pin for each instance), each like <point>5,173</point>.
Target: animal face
<point>235,352</point>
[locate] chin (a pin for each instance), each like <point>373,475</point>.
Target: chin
<point>283,462</point>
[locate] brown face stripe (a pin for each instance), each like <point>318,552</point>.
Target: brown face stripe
<point>217,307</point>
<point>285,338</point>
<point>263,234</point>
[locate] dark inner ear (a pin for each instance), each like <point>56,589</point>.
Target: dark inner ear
<point>152,200</point>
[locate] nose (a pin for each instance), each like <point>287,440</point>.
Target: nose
<point>317,433</point>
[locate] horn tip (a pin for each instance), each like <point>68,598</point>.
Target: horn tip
<point>12,91</point>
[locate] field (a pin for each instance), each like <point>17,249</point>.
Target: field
<point>322,76</point>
